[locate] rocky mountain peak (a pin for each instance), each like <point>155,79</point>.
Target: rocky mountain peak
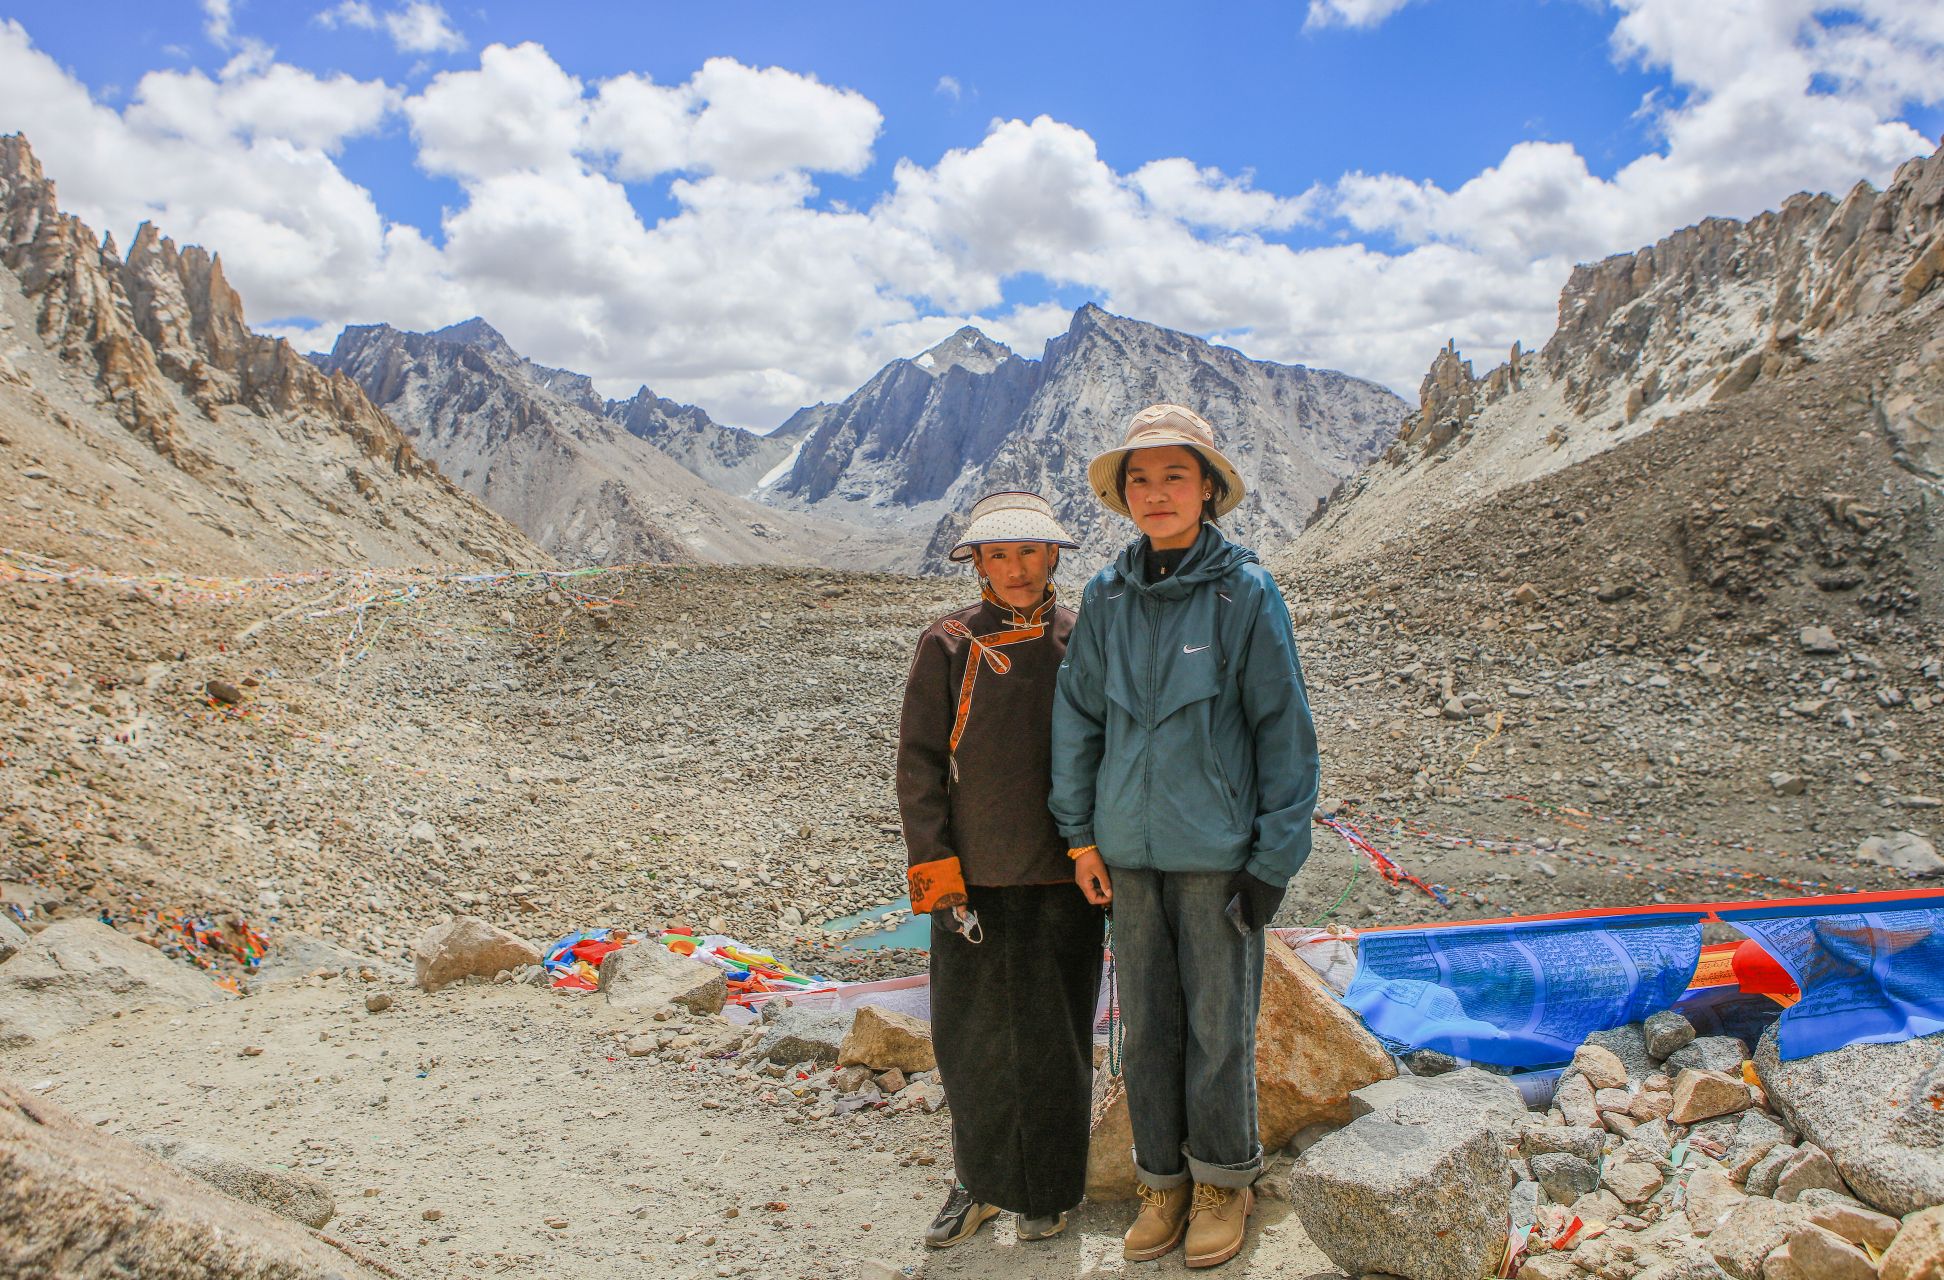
<point>475,332</point>
<point>967,349</point>
<point>1698,319</point>
<point>160,345</point>
<point>914,452</point>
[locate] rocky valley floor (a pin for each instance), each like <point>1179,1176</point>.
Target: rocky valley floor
<point>714,748</point>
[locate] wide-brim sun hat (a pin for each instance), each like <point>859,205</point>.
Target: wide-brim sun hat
<point>1156,427</point>
<point>1011,516</point>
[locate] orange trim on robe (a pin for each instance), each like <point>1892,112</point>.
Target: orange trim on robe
<point>933,882</point>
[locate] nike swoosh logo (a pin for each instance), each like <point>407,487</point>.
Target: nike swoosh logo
<point>1193,648</point>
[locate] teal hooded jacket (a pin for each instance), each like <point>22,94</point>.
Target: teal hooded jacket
<point>1182,738</point>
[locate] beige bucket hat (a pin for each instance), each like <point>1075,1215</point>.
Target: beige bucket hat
<point>1010,516</point>
<point>1154,427</point>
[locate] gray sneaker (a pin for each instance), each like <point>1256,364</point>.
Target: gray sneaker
<point>1042,1228</point>
<point>961,1216</point>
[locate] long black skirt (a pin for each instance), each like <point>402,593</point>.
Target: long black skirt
<point>1012,1022</point>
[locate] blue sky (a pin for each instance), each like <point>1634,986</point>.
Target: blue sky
<point>753,205</point>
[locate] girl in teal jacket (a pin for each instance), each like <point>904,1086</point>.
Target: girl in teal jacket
<point>1184,779</point>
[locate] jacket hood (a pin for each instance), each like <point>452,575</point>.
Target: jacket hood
<point>1212,556</point>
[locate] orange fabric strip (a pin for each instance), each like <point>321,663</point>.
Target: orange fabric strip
<point>935,880</point>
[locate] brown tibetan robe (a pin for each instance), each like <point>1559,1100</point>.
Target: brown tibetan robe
<point>974,809</point>
<point>1013,1014</point>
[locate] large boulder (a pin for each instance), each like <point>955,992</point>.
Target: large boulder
<point>1877,1109</point>
<point>650,976</point>
<point>76,972</point>
<point>804,1035</point>
<point>1311,1051</point>
<point>1427,1099</point>
<point>467,947</point>
<point>1312,1055</point>
<point>80,1204</point>
<point>287,1193</point>
<point>884,1038</point>
<point>1425,1201</point>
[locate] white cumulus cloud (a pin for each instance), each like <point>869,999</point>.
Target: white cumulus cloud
<point>751,295</point>
<point>420,26</point>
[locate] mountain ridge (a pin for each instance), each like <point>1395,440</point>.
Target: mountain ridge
<point>915,446</point>
<point>250,455</point>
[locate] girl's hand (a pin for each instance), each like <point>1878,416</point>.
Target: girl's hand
<point>1090,873</point>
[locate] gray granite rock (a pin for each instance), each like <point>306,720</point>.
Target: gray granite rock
<point>1564,1178</point>
<point>1666,1032</point>
<point>1629,1044</point>
<point>1468,1090</point>
<point>647,976</point>
<point>1768,1170</point>
<point>1755,1136</point>
<point>1808,1169</point>
<point>1568,1139</point>
<point>804,1035</point>
<point>1710,1053</point>
<point>1429,1200</point>
<point>1877,1109</point>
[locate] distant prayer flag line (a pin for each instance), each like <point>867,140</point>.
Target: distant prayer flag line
<point>1704,912</point>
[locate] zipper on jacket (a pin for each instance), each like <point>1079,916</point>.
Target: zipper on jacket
<point>1151,610</point>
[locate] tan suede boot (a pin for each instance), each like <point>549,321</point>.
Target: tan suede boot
<point>1216,1222</point>
<point>1158,1228</point>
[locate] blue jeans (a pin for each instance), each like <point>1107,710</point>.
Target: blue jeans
<point>1189,989</point>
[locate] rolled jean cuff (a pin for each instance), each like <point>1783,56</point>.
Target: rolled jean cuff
<point>1233,1176</point>
<point>1160,1181</point>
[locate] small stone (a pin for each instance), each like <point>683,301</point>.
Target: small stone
<point>1904,851</point>
<point>1653,1135</point>
<point>377,1002</point>
<point>1812,1253</point>
<point>1612,1099</point>
<point>1710,1053</point>
<point>1818,639</point>
<point>891,1081</point>
<point>1918,1251</point>
<point>224,692</point>
<point>1808,1168</point>
<point>1666,1032</point>
<point>558,1224</point>
<point>1755,1136</point>
<point>1601,1067</point>
<point>1574,1098</point>
<point>1849,1218</point>
<point>850,1079</point>
<point>1564,1178</point>
<point>1711,1197</point>
<point>1633,1181</point>
<point>1583,1143</point>
<point>1599,1206</point>
<point>433,1215</point>
<point>1768,1170</point>
<point>1700,1095</point>
<point>1784,783</point>
<point>1653,1104</point>
<point>642,1046</point>
<point>1752,1231</point>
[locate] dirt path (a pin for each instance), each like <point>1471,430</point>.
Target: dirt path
<point>506,1109</point>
